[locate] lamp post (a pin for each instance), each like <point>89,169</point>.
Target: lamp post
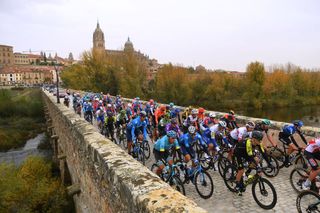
<point>57,81</point>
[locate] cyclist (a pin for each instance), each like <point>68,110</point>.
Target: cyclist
<point>121,119</point>
<point>129,111</point>
<point>230,120</point>
<point>241,133</point>
<point>110,121</point>
<point>190,120</point>
<point>244,150</point>
<point>88,110</point>
<point>201,112</point>
<point>163,123</point>
<point>286,137</point>
<point>100,117</point>
<point>312,153</point>
<point>187,141</point>
<point>163,147</point>
<point>211,117</point>
<point>66,101</point>
<point>173,125</point>
<point>136,128</point>
<point>263,126</point>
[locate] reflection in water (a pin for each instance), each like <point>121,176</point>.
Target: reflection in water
<point>309,115</point>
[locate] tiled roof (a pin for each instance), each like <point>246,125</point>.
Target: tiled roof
<point>22,69</point>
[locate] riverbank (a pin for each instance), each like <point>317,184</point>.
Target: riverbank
<point>22,117</point>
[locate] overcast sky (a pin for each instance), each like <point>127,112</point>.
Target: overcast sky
<point>218,34</point>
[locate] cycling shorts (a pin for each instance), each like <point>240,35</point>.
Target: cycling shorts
<point>311,158</point>
<point>137,131</point>
<point>284,138</point>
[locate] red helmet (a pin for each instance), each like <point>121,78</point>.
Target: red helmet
<point>201,110</point>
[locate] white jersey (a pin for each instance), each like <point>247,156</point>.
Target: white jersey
<point>313,146</point>
<point>240,133</point>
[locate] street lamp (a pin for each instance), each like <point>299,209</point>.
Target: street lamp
<point>57,81</point>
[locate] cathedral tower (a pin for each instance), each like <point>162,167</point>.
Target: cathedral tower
<point>98,39</point>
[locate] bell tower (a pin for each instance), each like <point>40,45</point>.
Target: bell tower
<point>98,39</point>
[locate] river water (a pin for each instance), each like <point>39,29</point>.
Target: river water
<point>310,115</point>
<point>17,156</point>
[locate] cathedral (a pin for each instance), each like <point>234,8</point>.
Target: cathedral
<point>99,45</point>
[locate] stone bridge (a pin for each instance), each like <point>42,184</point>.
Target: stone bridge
<point>104,178</point>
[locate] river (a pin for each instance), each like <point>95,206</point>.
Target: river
<point>17,156</point>
<point>310,115</point>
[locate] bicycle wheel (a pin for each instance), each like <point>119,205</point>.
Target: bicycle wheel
<point>146,150</point>
<point>308,201</point>
<point>204,161</point>
<point>204,184</point>
<point>271,172</point>
<point>300,162</point>
<point>229,177</point>
<point>279,155</point>
<point>297,177</point>
<point>141,154</point>
<point>264,193</point>
<point>223,162</point>
<point>177,184</point>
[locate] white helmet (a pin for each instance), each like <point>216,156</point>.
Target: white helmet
<point>192,129</point>
<point>250,124</point>
<point>223,124</point>
<point>108,105</point>
<point>212,115</point>
<point>129,105</point>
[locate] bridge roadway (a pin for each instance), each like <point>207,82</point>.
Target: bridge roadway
<point>223,200</point>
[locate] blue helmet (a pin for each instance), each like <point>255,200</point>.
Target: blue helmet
<point>172,134</point>
<point>298,123</point>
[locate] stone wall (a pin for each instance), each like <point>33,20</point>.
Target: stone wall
<point>108,178</point>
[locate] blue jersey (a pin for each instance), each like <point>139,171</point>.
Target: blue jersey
<point>87,107</point>
<point>163,144</point>
<point>187,141</point>
<point>137,123</point>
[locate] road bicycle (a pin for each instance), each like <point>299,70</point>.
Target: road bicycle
<point>308,201</point>
<point>263,191</point>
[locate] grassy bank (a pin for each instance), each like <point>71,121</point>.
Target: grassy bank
<point>22,117</point>
<point>31,187</point>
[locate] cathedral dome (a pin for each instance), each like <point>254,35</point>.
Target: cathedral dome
<point>128,45</point>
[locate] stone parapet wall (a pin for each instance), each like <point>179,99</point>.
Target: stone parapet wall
<point>110,180</point>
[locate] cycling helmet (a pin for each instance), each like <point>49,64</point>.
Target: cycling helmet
<point>212,115</point>
<point>129,105</point>
<point>151,101</point>
<point>172,134</point>
<point>266,122</point>
<point>231,112</point>
<point>171,104</point>
<point>137,98</point>
<point>173,120</point>
<point>108,105</point>
<point>143,114</point>
<point>194,111</point>
<point>257,135</point>
<point>100,102</point>
<point>222,124</point>
<point>123,112</point>
<point>192,130</point>
<point>201,110</point>
<point>250,124</point>
<point>298,123</point>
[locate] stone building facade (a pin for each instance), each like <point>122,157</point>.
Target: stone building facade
<point>26,75</point>
<point>6,55</point>
<point>152,65</point>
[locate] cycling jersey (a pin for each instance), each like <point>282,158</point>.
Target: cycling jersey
<point>163,144</point>
<point>175,128</point>
<point>134,125</point>
<point>313,146</point>
<point>240,133</point>
<point>212,134</point>
<point>187,141</point>
<point>190,120</point>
